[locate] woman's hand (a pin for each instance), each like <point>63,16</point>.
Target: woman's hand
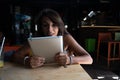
<point>35,61</point>
<point>62,58</point>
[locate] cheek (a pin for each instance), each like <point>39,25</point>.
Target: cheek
<point>56,30</point>
<point>45,30</point>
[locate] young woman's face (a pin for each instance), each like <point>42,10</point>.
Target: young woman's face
<point>49,28</point>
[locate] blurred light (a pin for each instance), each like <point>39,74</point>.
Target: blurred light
<point>36,28</point>
<point>116,78</point>
<point>66,26</point>
<point>100,77</point>
<point>85,19</point>
<point>91,14</point>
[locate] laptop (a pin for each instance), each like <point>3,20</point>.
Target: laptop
<point>46,47</point>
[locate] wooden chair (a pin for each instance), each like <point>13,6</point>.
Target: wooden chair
<point>113,47</point>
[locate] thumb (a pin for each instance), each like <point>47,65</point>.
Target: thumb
<point>62,54</point>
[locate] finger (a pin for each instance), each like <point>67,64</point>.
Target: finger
<point>37,61</point>
<point>38,64</point>
<point>61,54</point>
<point>61,60</point>
<point>56,57</point>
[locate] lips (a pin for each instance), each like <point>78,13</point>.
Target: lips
<point>51,34</point>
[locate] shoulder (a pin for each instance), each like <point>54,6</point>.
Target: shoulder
<point>68,38</point>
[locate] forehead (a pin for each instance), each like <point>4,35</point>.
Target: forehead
<point>46,19</point>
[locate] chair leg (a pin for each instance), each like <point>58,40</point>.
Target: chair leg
<point>98,52</point>
<point>109,49</point>
<point>114,49</point>
<point>119,50</point>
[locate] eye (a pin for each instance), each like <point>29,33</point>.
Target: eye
<point>44,25</point>
<point>54,25</point>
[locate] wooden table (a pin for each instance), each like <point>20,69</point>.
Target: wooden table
<point>48,72</point>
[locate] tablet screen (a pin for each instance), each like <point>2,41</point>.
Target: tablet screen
<point>46,47</point>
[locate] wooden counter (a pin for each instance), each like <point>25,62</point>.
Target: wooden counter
<point>48,72</point>
<point>114,27</point>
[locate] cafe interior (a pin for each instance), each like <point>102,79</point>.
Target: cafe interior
<point>95,24</point>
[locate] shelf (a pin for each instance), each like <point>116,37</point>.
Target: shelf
<point>118,27</point>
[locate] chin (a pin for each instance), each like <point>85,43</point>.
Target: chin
<point>52,35</point>
<point>49,35</point>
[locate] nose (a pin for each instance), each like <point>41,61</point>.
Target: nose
<point>50,28</point>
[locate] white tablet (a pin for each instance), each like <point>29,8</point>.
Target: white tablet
<point>46,47</point>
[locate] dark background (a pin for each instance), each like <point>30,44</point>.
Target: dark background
<point>71,11</point>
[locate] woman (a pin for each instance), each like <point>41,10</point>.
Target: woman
<point>50,24</point>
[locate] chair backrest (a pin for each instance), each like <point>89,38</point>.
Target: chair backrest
<point>117,36</point>
<point>104,36</point>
